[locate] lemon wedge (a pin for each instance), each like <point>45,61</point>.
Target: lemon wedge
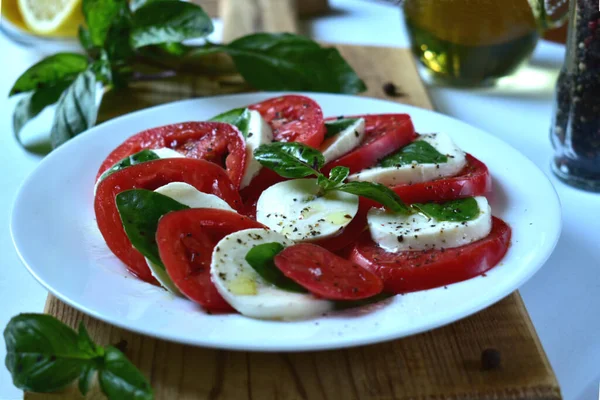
<point>52,17</point>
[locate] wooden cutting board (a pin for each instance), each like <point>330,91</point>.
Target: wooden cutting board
<point>440,364</point>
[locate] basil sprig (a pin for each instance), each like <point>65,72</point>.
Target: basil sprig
<point>128,41</point>
<point>418,151</point>
<point>44,355</point>
<point>296,160</point>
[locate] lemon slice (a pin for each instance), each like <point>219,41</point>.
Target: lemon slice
<point>52,17</point>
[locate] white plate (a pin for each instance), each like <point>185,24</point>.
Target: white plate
<point>55,233</point>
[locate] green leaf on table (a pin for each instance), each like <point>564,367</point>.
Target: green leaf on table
<point>460,210</point>
<point>140,211</point>
<point>101,67</point>
<point>31,105</point>
<point>85,39</point>
<point>239,117</point>
<point>135,4</point>
<point>51,71</point>
<point>418,151</point>
<point>169,21</point>
<point>120,379</point>
<point>76,110</point>
<point>86,344</point>
<point>100,15</point>
<point>290,160</point>
<point>333,128</point>
<point>85,378</point>
<point>42,353</point>
<point>377,192</point>
<point>284,61</point>
<point>261,257</point>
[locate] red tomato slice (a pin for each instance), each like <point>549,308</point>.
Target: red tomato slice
<point>473,180</point>
<point>203,175</point>
<point>186,240</point>
<point>217,142</point>
<point>409,271</point>
<point>384,134</point>
<point>252,192</point>
<point>325,274</point>
<point>293,119</point>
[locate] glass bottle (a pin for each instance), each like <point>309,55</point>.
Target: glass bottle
<point>575,130</point>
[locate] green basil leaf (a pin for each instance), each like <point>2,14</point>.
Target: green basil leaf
<point>239,117</point>
<point>377,192</point>
<point>336,177</point>
<point>100,16</point>
<point>140,211</point>
<point>101,67</point>
<point>86,377</point>
<point>169,21</point>
<point>460,210</point>
<point>32,104</point>
<point>85,39</point>
<point>137,158</point>
<point>345,305</point>
<point>261,257</point>
<point>333,128</point>
<point>86,344</point>
<point>118,48</point>
<point>290,160</point>
<point>418,151</point>
<point>135,4</point>
<point>51,71</point>
<point>120,379</point>
<point>284,61</point>
<point>76,110</point>
<point>42,353</point>
<point>339,174</point>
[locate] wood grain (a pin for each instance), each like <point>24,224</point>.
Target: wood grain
<point>305,7</point>
<point>242,17</point>
<point>441,364</point>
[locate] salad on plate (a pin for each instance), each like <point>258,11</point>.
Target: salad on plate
<point>275,212</point>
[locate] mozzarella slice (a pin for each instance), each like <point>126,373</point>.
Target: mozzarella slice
<point>396,232</point>
<point>259,133</point>
<point>416,173</point>
<point>246,291</point>
<point>294,209</point>
<point>344,141</point>
<point>162,152</point>
<point>191,197</point>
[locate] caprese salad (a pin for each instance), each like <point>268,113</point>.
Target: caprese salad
<point>275,212</point>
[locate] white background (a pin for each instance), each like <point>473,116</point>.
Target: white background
<point>563,299</point>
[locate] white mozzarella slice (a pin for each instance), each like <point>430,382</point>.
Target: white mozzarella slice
<point>246,291</point>
<point>416,173</point>
<point>188,195</point>
<point>191,197</point>
<point>343,142</point>
<point>162,152</point>
<point>259,133</point>
<point>396,232</point>
<point>294,209</point>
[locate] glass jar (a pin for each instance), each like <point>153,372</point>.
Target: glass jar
<point>575,130</point>
<point>476,42</point>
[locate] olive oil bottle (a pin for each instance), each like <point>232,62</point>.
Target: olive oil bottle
<point>473,42</point>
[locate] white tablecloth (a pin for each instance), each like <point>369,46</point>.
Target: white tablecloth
<point>563,299</point>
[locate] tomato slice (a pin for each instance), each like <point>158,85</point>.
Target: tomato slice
<point>473,180</point>
<point>326,274</point>
<point>384,134</point>
<point>409,271</point>
<point>203,175</point>
<point>217,142</point>
<point>186,240</point>
<point>293,118</point>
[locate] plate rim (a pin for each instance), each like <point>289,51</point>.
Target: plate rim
<point>341,342</point>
